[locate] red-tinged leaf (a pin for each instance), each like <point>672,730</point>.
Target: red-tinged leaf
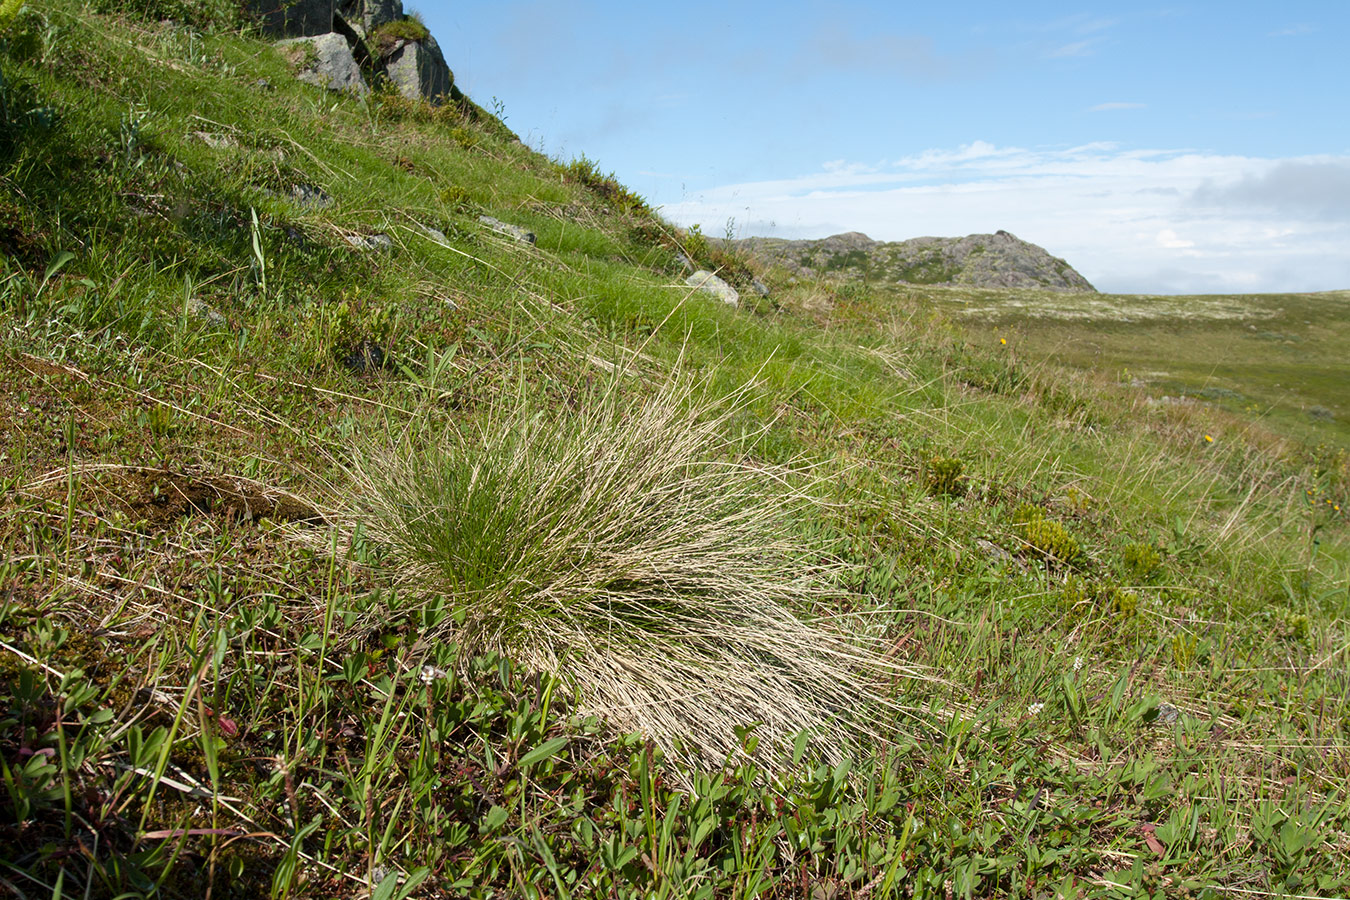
<point>1154,844</point>
<point>228,727</point>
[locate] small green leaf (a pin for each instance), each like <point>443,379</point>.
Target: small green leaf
<point>543,751</point>
<point>496,817</point>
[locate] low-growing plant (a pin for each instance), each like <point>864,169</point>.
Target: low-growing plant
<point>1046,537</point>
<point>585,172</point>
<point>1140,561</point>
<point>1123,603</point>
<point>613,549</point>
<point>944,477</point>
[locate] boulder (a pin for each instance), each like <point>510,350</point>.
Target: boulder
<point>418,69</point>
<point>709,283</point>
<point>998,260</point>
<point>325,60</point>
<point>216,141</point>
<point>292,18</point>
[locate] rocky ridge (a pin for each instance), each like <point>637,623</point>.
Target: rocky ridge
<point>999,260</point>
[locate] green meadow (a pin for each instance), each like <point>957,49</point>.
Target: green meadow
<point>1277,359</point>
<point>351,548</point>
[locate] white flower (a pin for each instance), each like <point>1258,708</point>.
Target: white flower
<point>1077,663</point>
<point>1035,708</point>
<point>431,673</point>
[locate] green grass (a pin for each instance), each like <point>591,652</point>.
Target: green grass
<point>210,675</point>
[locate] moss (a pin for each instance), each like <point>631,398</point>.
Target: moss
<point>386,37</point>
<point>1140,561</point>
<point>943,476</point>
<point>1045,537</point>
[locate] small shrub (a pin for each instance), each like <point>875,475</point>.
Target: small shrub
<point>1184,648</point>
<point>1048,538</point>
<point>455,196</point>
<point>1300,630</point>
<point>695,245</point>
<point>944,476</point>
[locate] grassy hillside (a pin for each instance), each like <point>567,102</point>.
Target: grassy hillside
<point>443,564</point>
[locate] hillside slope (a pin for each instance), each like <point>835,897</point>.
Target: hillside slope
<point>320,577</point>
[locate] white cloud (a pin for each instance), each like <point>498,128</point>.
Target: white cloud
<point>1137,220</point>
<point>1108,107</point>
<point>1169,239</point>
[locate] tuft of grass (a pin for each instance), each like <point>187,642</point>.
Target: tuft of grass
<point>613,548</point>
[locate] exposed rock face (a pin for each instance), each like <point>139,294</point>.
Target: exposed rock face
<point>327,61</point>
<point>293,18</point>
<point>365,16</point>
<point>418,69</point>
<point>998,260</point>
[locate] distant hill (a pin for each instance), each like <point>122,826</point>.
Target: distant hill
<point>999,260</point>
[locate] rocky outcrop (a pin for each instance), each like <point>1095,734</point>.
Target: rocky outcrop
<point>325,60</point>
<point>352,44</point>
<point>999,260</point>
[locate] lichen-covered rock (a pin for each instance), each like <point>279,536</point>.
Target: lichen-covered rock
<point>310,197</point>
<point>369,241</point>
<point>418,69</point>
<point>709,283</point>
<point>999,260</point>
<point>515,232</point>
<point>325,60</point>
<point>200,309</point>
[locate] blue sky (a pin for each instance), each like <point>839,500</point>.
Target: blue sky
<point>1186,147</point>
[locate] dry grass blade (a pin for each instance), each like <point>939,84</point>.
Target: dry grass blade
<point>611,548</point>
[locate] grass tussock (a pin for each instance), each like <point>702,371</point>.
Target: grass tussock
<point>614,547</point>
